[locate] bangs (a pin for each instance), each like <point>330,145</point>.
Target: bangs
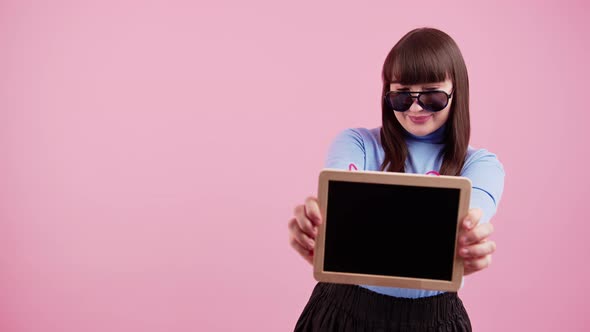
<point>418,59</point>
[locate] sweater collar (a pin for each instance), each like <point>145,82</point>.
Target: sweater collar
<point>436,137</point>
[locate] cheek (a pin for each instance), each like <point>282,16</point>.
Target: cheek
<point>400,117</point>
<point>442,116</point>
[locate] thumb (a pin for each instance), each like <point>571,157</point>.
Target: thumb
<point>472,218</point>
<point>312,210</point>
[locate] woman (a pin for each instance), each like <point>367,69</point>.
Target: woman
<point>425,130</point>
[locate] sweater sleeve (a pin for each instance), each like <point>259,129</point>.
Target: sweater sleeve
<point>347,148</point>
<point>487,176</point>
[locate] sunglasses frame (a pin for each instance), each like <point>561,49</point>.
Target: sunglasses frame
<point>419,93</point>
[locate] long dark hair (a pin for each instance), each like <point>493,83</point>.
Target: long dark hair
<point>427,55</point>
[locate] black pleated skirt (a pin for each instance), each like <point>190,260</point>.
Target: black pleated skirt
<point>337,307</point>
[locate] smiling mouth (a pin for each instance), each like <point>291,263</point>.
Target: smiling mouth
<point>419,118</point>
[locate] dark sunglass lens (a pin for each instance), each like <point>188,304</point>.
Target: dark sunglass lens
<point>433,101</point>
<point>400,101</point>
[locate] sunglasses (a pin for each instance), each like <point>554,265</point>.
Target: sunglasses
<point>432,101</point>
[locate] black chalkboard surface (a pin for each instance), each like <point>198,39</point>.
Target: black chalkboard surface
<point>390,229</point>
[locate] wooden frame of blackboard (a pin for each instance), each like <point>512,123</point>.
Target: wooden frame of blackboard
<point>404,179</point>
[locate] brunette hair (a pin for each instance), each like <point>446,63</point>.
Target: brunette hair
<point>426,55</point>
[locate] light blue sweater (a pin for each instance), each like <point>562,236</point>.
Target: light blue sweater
<point>362,147</point>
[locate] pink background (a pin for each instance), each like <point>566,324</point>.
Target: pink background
<point>151,153</point>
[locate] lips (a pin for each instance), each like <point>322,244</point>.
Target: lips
<point>420,119</point>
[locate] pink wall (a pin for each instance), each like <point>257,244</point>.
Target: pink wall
<point>151,155</point>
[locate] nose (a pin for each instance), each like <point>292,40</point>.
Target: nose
<point>415,107</point>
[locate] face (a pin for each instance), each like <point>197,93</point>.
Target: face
<point>416,120</point>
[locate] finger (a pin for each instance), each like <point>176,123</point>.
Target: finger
<point>477,234</point>
<point>304,223</point>
<point>303,239</point>
<point>477,264</point>
<point>312,210</point>
<point>306,254</point>
<point>472,218</point>
<point>478,250</point>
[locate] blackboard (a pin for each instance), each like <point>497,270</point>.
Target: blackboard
<point>392,229</point>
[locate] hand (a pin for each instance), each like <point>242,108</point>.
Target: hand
<point>474,246</point>
<point>303,228</point>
